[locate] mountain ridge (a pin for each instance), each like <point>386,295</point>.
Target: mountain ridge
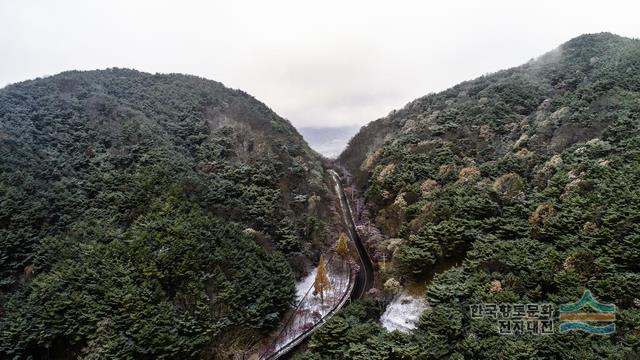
<point>517,187</point>
<point>150,216</point>
<point>167,216</point>
<point>394,121</point>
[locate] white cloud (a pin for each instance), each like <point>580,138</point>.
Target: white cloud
<point>320,63</point>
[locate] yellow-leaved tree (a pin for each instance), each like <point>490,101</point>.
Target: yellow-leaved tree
<point>342,247</point>
<point>322,283</point>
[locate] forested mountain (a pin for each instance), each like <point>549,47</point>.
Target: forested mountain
<point>526,181</point>
<point>166,216</point>
<point>148,216</point>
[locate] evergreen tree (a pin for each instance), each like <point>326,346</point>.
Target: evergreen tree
<point>143,213</point>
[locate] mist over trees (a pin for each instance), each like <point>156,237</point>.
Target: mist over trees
<point>167,216</point>
<point>523,183</point>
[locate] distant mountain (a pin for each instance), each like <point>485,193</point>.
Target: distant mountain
<point>524,185</point>
<point>148,216</point>
<point>328,141</point>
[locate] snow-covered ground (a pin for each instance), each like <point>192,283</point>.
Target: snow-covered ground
<point>311,309</point>
<point>403,312</point>
<point>305,284</point>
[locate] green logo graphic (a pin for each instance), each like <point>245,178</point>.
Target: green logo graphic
<point>589,322</point>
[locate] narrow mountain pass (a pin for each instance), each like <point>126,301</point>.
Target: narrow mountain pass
<point>364,278</point>
<point>298,328</point>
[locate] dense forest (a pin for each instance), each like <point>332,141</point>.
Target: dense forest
<point>167,216</point>
<point>525,182</point>
<point>149,216</point>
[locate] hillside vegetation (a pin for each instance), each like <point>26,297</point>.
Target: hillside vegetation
<point>148,216</point>
<point>527,179</point>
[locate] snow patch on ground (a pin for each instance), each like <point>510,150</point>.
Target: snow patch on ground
<point>403,312</point>
<point>310,310</point>
<point>305,284</point>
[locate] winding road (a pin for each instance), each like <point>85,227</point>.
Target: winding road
<point>364,278</point>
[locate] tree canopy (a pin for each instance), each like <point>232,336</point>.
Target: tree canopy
<point>524,184</point>
<point>147,216</point>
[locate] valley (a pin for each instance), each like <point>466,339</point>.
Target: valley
<point>167,216</point>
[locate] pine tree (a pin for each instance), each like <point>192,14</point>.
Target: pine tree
<point>321,283</point>
<point>342,248</point>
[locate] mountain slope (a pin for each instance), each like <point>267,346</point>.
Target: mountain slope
<point>524,183</point>
<point>492,111</point>
<point>148,216</point>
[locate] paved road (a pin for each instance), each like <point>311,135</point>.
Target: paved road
<point>364,280</point>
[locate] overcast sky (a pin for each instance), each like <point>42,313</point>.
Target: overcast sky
<point>318,63</point>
